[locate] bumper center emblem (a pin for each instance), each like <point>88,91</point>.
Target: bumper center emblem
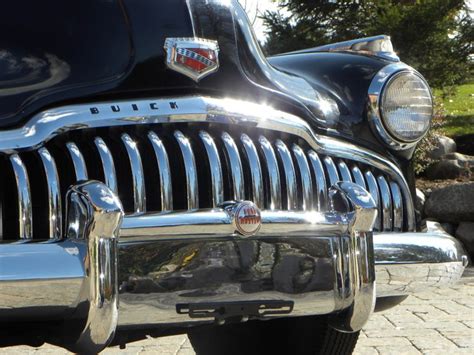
<point>246,218</point>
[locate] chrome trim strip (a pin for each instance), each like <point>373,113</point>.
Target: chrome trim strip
<point>166,183</point>
<point>108,165</point>
<point>332,170</point>
<point>374,192</point>
<point>78,161</point>
<point>190,169</point>
<point>255,170</point>
<point>386,204</point>
<point>48,124</point>
<point>54,194</point>
<point>215,167</point>
<point>290,175</point>
<point>344,171</point>
<point>306,180</point>
<point>320,176</point>
<point>358,176</point>
<point>397,200</point>
<point>235,165</point>
<point>138,176</point>
<point>25,212</point>
<point>217,223</point>
<point>273,173</point>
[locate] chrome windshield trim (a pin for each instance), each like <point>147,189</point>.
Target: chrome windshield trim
<point>50,123</point>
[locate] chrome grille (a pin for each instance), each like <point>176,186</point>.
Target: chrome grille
<point>181,167</point>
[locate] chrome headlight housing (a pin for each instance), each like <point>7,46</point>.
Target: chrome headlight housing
<point>401,106</point>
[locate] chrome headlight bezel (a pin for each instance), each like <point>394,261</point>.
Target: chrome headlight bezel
<point>375,112</point>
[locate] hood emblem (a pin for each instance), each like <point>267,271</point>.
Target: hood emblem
<point>194,57</point>
<point>246,217</point>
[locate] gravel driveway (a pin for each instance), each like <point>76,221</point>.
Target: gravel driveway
<point>438,322</point>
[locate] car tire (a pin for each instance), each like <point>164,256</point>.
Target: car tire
<point>296,336</point>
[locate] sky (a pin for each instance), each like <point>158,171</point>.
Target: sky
<point>262,5</point>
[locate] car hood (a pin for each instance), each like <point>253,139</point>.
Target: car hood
<point>60,52</point>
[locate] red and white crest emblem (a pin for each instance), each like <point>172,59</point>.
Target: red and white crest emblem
<point>193,57</point>
<point>247,218</point>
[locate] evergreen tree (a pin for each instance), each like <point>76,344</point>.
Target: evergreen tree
<point>434,36</point>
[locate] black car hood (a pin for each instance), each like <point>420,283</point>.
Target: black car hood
<point>55,52</point>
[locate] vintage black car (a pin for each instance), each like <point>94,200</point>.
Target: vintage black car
<point>159,175</point>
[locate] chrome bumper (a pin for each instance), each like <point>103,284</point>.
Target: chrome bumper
<point>320,263</point>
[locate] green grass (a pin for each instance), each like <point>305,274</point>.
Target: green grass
<point>460,111</point>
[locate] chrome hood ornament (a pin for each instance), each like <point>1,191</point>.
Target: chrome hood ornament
<point>194,57</point>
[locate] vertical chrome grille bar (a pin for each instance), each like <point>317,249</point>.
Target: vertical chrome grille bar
<point>374,191</point>
<point>255,170</point>
<point>166,185</point>
<point>290,174</point>
<point>320,176</point>
<point>138,176</point>
<point>386,200</point>
<point>332,170</point>
<point>344,170</point>
<point>273,173</point>
<point>306,180</point>
<point>397,206</point>
<point>77,161</point>
<point>54,195</point>
<point>235,165</point>
<point>190,169</point>
<point>108,166</point>
<point>215,167</point>
<point>358,176</point>
<point>25,212</point>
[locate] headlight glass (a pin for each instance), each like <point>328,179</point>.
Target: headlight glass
<point>406,107</point>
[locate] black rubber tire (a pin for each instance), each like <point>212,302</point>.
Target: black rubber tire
<point>296,336</point>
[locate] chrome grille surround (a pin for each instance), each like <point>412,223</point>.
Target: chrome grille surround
<point>291,174</point>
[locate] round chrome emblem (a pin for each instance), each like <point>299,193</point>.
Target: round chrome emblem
<point>247,218</point>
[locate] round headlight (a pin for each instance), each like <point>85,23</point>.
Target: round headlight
<point>406,106</point>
